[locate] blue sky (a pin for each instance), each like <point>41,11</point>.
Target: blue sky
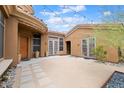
<point>63,18</point>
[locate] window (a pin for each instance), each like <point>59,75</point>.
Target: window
<point>36,42</point>
<point>60,44</point>
<point>1,33</point>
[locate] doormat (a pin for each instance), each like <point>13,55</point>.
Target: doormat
<point>26,59</point>
<point>116,80</point>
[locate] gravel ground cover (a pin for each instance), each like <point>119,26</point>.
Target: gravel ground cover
<point>116,81</point>
<point>120,64</point>
<point>7,79</point>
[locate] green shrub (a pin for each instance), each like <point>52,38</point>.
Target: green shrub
<point>121,54</point>
<point>100,53</point>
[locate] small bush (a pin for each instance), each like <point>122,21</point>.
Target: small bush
<point>100,53</point>
<point>121,54</point>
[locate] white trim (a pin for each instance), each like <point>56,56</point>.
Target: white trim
<point>53,39</point>
<point>53,43</point>
<point>87,47</point>
<point>53,46</point>
<point>58,43</point>
<point>54,36</point>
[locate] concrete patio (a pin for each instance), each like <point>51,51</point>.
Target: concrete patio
<point>63,72</point>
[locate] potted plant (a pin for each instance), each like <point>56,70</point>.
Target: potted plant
<point>37,54</point>
<point>19,58</point>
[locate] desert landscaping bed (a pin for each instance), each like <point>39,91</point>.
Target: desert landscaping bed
<point>8,78</point>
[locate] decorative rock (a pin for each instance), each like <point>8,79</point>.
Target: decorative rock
<point>116,81</point>
<point>7,80</point>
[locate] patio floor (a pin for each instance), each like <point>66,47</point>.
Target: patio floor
<point>63,72</point>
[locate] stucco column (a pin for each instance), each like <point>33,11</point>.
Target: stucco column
<point>11,39</point>
<point>44,47</point>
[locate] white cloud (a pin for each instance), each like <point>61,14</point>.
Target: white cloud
<point>64,20</point>
<point>73,20</point>
<point>64,9</point>
<point>66,25</point>
<point>106,13</point>
<point>50,14</point>
<point>55,20</point>
<point>77,8</point>
<point>47,13</point>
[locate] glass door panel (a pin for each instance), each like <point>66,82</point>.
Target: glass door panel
<point>85,47</point>
<point>91,46</point>
<point>55,47</point>
<point>50,47</point>
<point>88,44</point>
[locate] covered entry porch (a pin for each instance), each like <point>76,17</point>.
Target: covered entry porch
<point>20,32</point>
<point>30,41</point>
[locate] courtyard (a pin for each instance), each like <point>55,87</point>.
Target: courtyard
<point>63,72</point>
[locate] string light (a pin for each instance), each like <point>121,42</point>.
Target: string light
<point>66,7</point>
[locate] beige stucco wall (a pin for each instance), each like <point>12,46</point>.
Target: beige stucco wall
<point>44,44</point>
<point>11,39</point>
<point>5,10</point>
<point>77,36</point>
<point>112,51</point>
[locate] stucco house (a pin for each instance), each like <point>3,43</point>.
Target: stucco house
<point>81,40</point>
<point>21,34</point>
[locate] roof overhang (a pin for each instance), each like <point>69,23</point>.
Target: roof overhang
<point>29,20</point>
<point>91,26</point>
<point>7,9</point>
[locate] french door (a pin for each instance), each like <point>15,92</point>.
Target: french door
<point>50,47</point>
<point>88,44</point>
<point>53,47</point>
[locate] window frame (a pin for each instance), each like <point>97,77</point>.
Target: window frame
<point>2,25</point>
<point>62,44</point>
<point>36,45</point>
